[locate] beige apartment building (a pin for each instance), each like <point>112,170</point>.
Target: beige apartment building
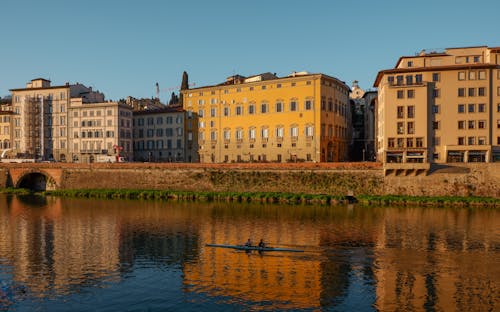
<point>46,119</point>
<point>165,135</point>
<point>266,118</point>
<point>102,128</point>
<point>440,107</point>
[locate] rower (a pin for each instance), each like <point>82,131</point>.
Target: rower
<point>262,244</point>
<point>248,243</point>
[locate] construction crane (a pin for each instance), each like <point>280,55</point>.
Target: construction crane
<point>158,90</point>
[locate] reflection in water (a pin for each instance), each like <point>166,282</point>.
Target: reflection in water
<point>152,255</point>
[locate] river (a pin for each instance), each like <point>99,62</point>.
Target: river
<point>63,254</point>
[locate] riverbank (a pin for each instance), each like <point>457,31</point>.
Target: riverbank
<point>272,197</point>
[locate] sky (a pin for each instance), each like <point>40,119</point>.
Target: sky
<point>123,48</point>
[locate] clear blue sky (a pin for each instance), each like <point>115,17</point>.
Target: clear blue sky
<point>124,47</point>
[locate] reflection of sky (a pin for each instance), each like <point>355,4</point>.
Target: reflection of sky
<point>360,295</point>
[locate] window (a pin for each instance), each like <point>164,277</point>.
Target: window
<point>308,105</point>
<point>213,135</point>
<point>279,107</point>
<point>390,80</point>
<point>435,125</point>
<point>263,87</point>
<point>227,134</point>
<point>264,133</point>
<point>437,141</point>
<point>481,91</point>
<point>498,108</point>
<point>401,127</point>
<point>399,80</point>
<point>293,106</point>
<point>471,108</point>
<point>461,141</point>
<point>420,142</point>
<point>400,94</point>
<point>481,124</point>
<point>461,92</point>
<point>482,75</point>
<point>481,108</point>
<point>400,142</point>
<point>280,131</point>
<point>294,131</point>
<point>411,128</point>
<point>418,78</point>
<point>309,131</point>
<point>435,77</point>
<point>409,80</point>
<point>251,109</point>
<point>409,64</point>
<point>213,112</point>
<point>239,111</point>
<point>461,108</point>
<point>409,142</point>
<point>278,85</point>
<point>435,109</point>
<point>263,108</point>
<point>461,124</point>
<point>436,93</point>
<point>401,111</point>
<point>226,111</point>
<point>251,133</point>
<point>471,141</point>
<point>471,124</point>
<point>390,142</point>
<point>201,113</point>
<point>411,111</point>
<point>461,75</point>
<point>410,94</point>
<point>239,134</point>
<point>472,92</point>
<point>481,141</point>
<point>472,75</point>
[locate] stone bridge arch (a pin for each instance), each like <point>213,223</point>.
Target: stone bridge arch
<point>36,179</point>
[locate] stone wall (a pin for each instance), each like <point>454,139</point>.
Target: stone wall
<point>465,180</point>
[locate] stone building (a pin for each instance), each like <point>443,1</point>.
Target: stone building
<point>165,135</point>
<point>440,107</point>
<point>49,122</point>
<point>363,122</point>
<point>262,118</point>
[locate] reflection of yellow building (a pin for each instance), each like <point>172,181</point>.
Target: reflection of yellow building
<point>282,278</point>
<point>302,117</point>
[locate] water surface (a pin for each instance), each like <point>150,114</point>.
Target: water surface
<point>116,255</point>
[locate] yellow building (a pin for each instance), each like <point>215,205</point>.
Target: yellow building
<point>440,107</point>
<point>262,118</point>
<point>5,126</point>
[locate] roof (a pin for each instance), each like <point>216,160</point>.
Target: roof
<point>266,80</point>
<point>167,109</point>
<point>45,88</point>
<point>431,68</point>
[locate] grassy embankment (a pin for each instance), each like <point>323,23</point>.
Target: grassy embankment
<point>273,197</point>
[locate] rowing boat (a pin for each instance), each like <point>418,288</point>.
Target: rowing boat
<point>250,248</point>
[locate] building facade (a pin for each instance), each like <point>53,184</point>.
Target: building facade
<point>54,122</point>
<point>265,118</point>
<point>5,126</point>
<point>101,128</point>
<point>363,122</point>
<point>165,135</point>
<point>440,107</point>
